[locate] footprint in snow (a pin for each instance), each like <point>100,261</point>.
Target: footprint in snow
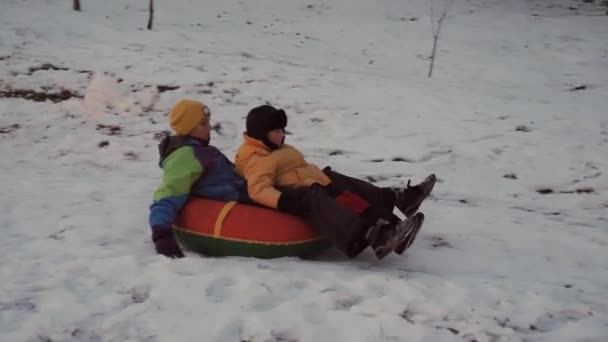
<point>556,320</point>
<point>20,305</point>
<point>345,303</point>
<point>139,295</point>
<point>434,154</point>
<point>219,289</point>
<point>439,242</point>
<point>264,302</point>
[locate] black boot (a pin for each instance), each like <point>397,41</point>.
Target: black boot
<point>385,236</point>
<point>409,199</point>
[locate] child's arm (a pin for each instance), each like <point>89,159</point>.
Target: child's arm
<point>260,173</point>
<point>180,170</point>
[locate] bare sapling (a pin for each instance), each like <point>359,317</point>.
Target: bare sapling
<point>437,17</point>
<point>151,17</point>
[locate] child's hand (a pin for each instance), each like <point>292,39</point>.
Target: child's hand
<point>165,242</point>
<point>294,201</point>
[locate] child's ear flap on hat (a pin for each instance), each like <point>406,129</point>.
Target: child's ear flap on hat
<point>281,118</point>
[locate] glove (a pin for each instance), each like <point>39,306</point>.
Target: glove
<point>294,202</point>
<point>165,243</point>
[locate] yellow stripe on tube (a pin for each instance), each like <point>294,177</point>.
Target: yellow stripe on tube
<point>217,229</point>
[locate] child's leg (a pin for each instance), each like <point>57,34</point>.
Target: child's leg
<point>407,200</point>
<point>381,198</point>
<point>338,224</point>
<point>345,227</point>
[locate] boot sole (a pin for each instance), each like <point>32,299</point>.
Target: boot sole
<point>373,232</point>
<point>404,236</point>
<point>401,248</point>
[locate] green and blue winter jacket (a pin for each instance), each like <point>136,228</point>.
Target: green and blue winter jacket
<point>191,167</point>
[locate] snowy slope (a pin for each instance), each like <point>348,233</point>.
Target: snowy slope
<point>513,122</point>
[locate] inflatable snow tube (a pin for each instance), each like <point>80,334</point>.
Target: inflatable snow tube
<point>218,228</point>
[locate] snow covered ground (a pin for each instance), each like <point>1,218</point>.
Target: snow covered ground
<point>514,122</point>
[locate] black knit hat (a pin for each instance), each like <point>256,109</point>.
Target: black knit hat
<point>264,119</point>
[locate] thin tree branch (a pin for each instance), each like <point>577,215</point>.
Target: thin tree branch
<point>436,30</point>
<point>435,40</point>
<point>151,17</point>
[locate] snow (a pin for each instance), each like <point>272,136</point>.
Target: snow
<point>516,105</point>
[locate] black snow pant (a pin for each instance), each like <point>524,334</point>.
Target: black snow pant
<point>335,219</point>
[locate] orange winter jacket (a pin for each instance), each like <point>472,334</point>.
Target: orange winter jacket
<point>264,168</point>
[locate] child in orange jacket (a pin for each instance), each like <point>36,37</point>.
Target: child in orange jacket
<point>350,213</point>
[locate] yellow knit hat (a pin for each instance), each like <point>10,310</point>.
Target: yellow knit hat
<point>186,114</point>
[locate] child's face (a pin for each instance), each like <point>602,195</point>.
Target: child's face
<point>276,136</point>
<point>202,131</point>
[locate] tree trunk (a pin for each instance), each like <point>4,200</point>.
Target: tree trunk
<point>151,15</point>
<point>77,5</point>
